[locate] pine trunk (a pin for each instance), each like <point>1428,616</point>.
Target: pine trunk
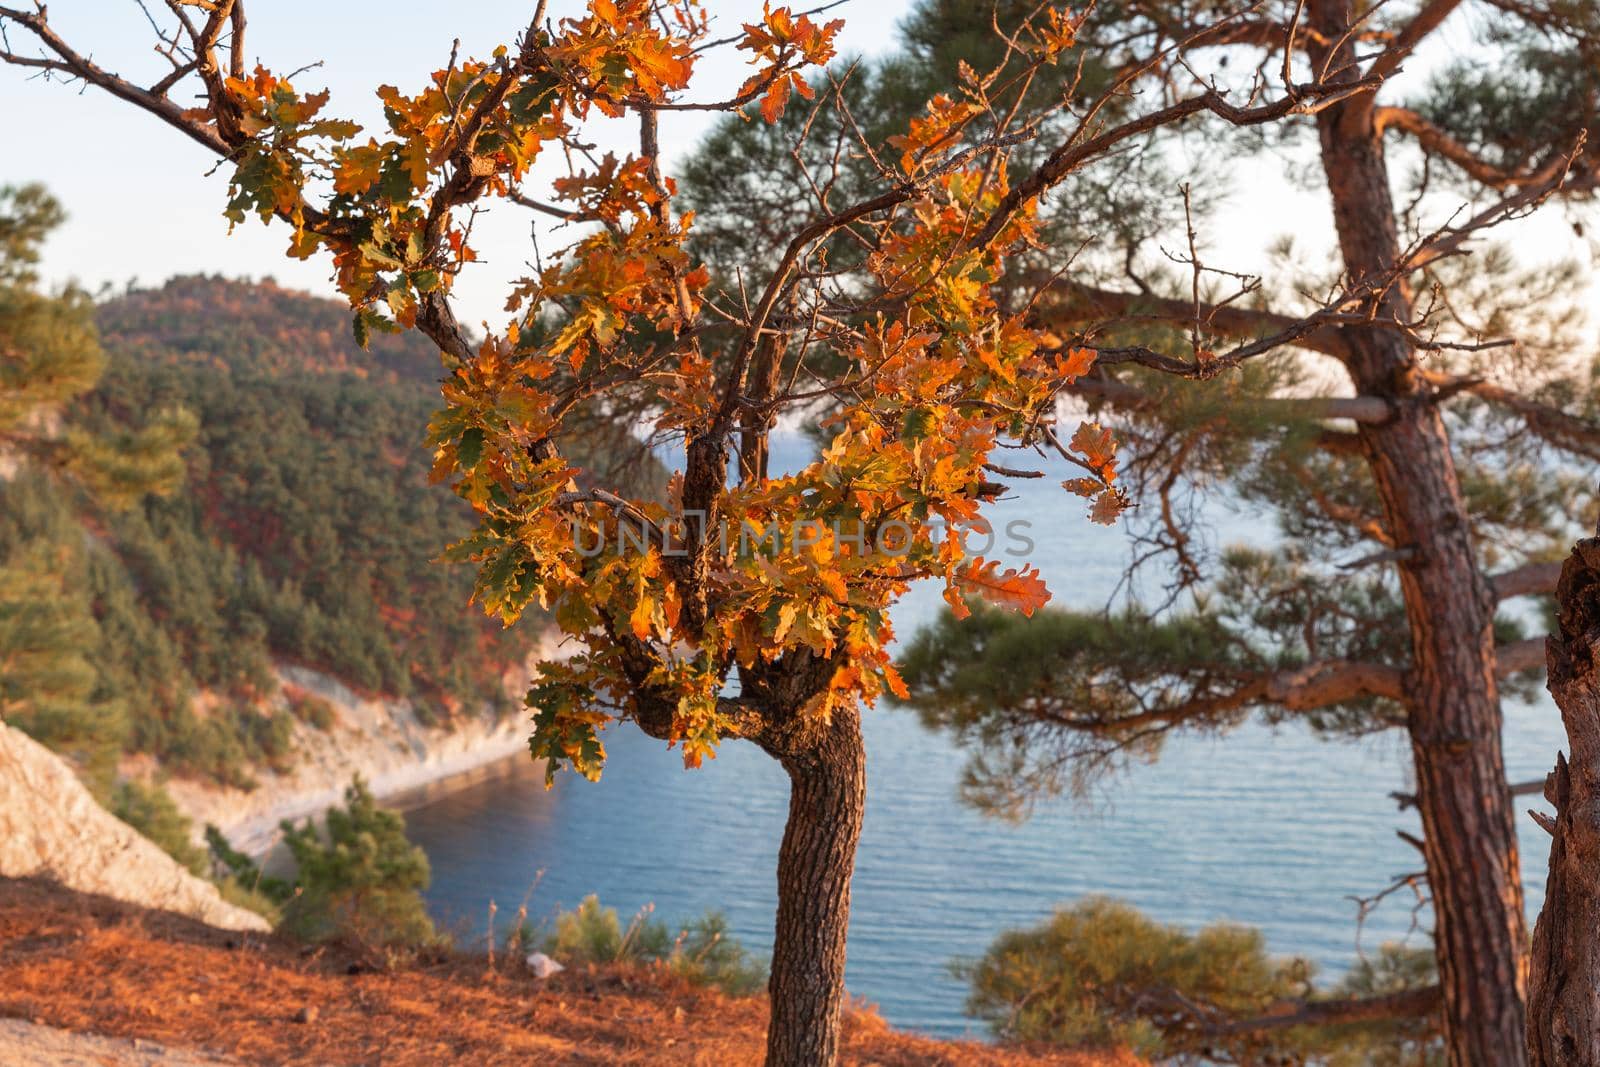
<point>1564,983</point>
<point>827,799</point>
<point>1470,845</point>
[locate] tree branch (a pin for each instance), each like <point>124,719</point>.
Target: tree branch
<point>1073,153</point>
<point>80,66</point>
<point>1367,409</point>
<point>1405,42</point>
<point>1066,301</point>
<point>1315,685</point>
<point>1408,1004</point>
<point>1438,142</point>
<point>1527,580</point>
<point>1570,433</point>
<point>1525,655</point>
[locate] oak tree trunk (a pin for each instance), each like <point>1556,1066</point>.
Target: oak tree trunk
<point>1453,701</point>
<point>1564,981</point>
<point>827,799</point>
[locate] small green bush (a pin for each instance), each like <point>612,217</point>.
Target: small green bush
<point>267,737</point>
<point>706,955</point>
<point>591,933</point>
<point>359,879</point>
<point>310,709</point>
<point>242,881</point>
<point>150,809</point>
<point>701,952</point>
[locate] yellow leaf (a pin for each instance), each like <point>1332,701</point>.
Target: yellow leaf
<point>1076,363</point>
<point>1095,444</point>
<point>642,619</point>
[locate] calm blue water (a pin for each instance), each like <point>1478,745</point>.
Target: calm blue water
<point>1267,827</point>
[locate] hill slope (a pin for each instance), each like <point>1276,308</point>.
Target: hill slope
<point>303,536</point>
<point>267,1001</point>
<point>255,328</point>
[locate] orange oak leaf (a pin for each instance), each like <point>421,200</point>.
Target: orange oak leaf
<point>1020,590</point>
<point>1076,362</point>
<point>1095,443</point>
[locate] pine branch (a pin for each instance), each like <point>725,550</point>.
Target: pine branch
<point>1368,409</point>
<point>1415,32</point>
<point>1570,433</point>
<point>1066,301</point>
<point>1408,1004</point>
<point>1525,655</point>
<point>1527,580</point>
<point>1439,142</point>
<point>1307,688</point>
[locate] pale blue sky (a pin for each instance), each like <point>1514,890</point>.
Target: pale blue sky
<point>140,202</point>
<point>143,206</point>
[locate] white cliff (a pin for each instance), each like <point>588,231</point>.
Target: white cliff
<point>380,739</point>
<point>51,827</point>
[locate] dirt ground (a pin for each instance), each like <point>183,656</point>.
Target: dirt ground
<point>93,966</point>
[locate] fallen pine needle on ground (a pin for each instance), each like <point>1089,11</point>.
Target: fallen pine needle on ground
<point>93,966</point>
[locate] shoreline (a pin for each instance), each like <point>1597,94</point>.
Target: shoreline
<point>403,761</point>
<point>400,789</point>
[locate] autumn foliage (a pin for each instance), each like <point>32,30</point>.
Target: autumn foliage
<point>661,597</point>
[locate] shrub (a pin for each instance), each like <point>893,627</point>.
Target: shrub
<point>706,955</point>
<point>266,737</point>
<point>591,933</point>
<point>1101,974</point>
<point>310,709</point>
<point>701,952</point>
<point>242,881</point>
<point>149,809</point>
<point>360,880</point>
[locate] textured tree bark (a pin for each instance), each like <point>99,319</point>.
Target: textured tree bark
<point>1470,845</point>
<point>827,799</point>
<point>1564,981</point>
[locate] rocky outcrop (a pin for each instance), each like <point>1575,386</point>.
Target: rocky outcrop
<point>51,827</point>
<point>28,1044</point>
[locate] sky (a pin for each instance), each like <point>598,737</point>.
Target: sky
<point>145,203</point>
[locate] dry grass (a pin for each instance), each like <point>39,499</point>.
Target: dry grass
<point>93,965</point>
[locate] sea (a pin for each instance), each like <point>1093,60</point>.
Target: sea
<point>1272,827</point>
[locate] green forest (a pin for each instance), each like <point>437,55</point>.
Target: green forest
<point>303,533</point>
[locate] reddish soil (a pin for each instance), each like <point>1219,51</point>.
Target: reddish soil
<point>92,965</point>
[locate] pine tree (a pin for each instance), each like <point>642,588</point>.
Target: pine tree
<point>46,631</point>
<point>358,877</point>
<point>49,356</point>
<point>1421,468</point>
<point>1413,419</point>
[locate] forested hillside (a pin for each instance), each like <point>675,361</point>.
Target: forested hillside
<point>302,534</point>
<point>253,329</point>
